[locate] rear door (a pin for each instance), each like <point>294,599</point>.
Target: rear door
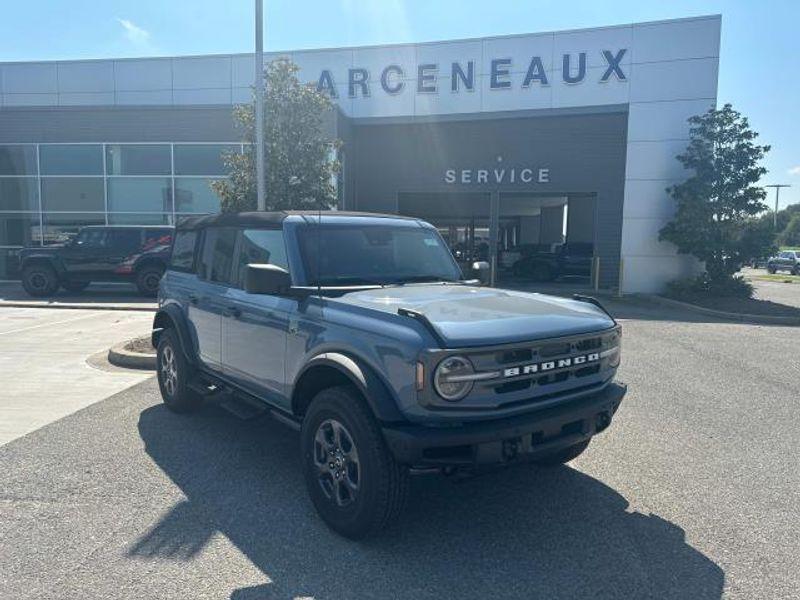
<point>254,326</point>
<point>123,246</point>
<point>206,301</point>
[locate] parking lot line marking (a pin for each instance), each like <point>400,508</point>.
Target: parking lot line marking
<point>48,324</point>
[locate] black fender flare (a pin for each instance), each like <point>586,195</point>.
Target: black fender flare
<point>50,260</point>
<point>376,393</point>
<point>170,316</point>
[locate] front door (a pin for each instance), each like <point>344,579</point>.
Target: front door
<point>255,326</point>
<point>83,258</point>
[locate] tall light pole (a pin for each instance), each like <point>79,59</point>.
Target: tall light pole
<point>777,187</point>
<point>259,88</point>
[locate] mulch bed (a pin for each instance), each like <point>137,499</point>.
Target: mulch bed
<point>141,345</point>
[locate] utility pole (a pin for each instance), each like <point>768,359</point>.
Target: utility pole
<point>777,187</point>
<point>259,89</point>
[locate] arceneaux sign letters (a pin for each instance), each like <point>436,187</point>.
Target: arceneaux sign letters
<point>393,79</point>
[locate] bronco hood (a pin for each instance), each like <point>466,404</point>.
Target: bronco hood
<point>476,316</point>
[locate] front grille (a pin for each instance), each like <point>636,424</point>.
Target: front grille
<point>536,367</point>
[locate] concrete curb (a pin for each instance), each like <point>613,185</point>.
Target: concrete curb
<point>740,317</point>
<point>81,306</point>
<point>121,357</point>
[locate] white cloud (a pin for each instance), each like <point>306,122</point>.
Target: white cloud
<point>794,170</point>
<point>134,33</point>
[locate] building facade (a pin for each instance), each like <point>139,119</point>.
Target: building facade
<point>504,143</point>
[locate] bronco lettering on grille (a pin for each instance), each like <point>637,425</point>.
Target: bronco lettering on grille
<point>550,365</point>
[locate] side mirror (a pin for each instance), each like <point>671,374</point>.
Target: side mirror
<point>481,270</point>
<point>271,280</point>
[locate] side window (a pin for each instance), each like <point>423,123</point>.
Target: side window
<point>217,260</point>
<point>126,241</point>
<point>92,238</point>
<point>183,251</point>
<point>262,246</point>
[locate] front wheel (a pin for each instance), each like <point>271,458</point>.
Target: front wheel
<point>771,270</point>
<point>354,482</point>
<point>560,457</point>
<point>39,280</point>
<point>147,280</point>
<point>174,375</point>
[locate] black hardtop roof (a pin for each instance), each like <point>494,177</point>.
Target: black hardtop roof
<point>256,219</point>
<point>127,227</point>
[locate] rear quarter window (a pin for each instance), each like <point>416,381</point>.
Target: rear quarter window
<point>183,251</point>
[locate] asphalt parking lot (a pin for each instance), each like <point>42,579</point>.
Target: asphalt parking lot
<point>693,493</point>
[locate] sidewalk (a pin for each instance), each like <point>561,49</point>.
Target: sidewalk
<point>43,353</point>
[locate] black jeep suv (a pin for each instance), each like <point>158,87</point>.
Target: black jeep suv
<point>137,254</point>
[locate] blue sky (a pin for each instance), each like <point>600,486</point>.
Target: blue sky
<point>758,65</point>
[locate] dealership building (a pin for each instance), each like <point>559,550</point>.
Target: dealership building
<point>507,142</point>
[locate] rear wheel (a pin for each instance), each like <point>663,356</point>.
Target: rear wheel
<point>147,279</point>
<point>562,456</point>
<point>354,482</point>
<point>39,280</point>
<point>75,286</point>
<point>174,375</point>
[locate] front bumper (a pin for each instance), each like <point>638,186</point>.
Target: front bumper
<point>505,440</point>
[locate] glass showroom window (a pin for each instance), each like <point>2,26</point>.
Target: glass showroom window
<point>138,159</point>
<point>18,160</point>
<point>19,194</point>
<point>139,219</point>
<point>202,159</point>
<point>19,229</point>
<point>140,194</point>
<point>194,195</point>
<point>71,159</point>
<point>83,194</point>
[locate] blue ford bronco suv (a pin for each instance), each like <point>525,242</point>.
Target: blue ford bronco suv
<point>361,332</point>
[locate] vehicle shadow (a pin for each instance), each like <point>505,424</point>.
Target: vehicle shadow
<point>521,532</point>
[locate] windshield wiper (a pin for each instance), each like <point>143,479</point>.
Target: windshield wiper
<point>423,279</point>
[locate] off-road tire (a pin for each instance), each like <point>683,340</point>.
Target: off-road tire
<point>796,270</point>
<point>771,270</point>
<point>75,286</point>
<point>382,482</point>
<point>39,280</point>
<point>147,279</point>
<point>173,381</point>
<point>562,456</point>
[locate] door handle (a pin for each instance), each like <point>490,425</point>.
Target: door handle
<point>233,311</point>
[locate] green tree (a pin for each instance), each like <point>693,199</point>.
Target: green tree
<point>716,205</point>
<point>299,166</point>
<point>790,236</point>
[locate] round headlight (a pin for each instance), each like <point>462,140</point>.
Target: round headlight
<point>451,378</point>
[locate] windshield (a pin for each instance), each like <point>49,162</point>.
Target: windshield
<point>375,254</point>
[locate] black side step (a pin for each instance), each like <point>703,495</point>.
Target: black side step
<point>238,403</point>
